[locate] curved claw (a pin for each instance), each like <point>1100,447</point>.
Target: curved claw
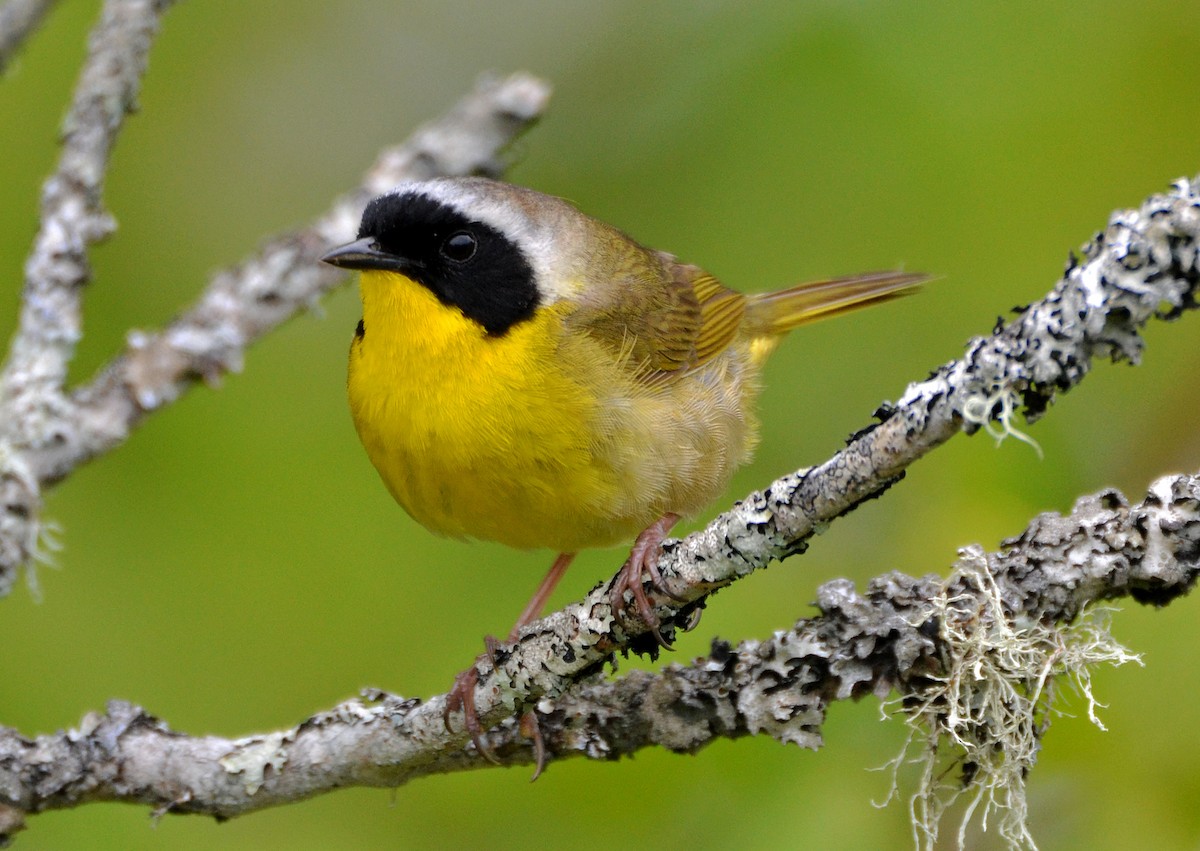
<point>643,559</point>
<point>532,730</point>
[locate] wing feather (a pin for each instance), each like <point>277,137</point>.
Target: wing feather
<point>661,318</point>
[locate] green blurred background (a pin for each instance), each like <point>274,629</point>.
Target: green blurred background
<point>237,565</point>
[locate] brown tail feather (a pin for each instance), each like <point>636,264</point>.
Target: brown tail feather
<point>778,312</point>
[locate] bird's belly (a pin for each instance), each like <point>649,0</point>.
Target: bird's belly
<point>465,468</point>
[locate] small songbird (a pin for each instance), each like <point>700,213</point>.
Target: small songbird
<point>527,374</point>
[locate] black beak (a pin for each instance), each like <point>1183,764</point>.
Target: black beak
<point>365,254</point>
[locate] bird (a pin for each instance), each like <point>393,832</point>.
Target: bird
<point>527,374</point>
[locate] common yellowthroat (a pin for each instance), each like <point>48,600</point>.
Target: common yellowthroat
<point>527,374</point>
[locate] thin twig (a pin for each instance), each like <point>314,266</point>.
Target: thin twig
<point>72,209</point>
<point>33,405</point>
<point>19,18</point>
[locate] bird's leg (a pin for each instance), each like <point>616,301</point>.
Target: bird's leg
<point>643,559</point>
<point>533,609</point>
<point>462,693</point>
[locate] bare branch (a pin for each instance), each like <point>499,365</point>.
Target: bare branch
<point>32,401</point>
<point>58,433</point>
<point>72,210</point>
<point>19,18</point>
<point>861,644</point>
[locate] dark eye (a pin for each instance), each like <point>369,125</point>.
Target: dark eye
<point>459,247</point>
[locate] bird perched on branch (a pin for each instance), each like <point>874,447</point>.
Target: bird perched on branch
<point>527,374</point>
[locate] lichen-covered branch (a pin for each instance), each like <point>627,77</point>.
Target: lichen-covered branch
<point>33,405</point>
<point>895,636</point>
<point>19,18</point>
<point>889,638</point>
<point>72,211</point>
<point>1145,264</point>
<point>47,431</point>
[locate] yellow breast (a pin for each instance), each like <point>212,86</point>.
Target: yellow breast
<point>535,438</point>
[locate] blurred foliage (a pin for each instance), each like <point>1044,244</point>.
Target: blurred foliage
<point>237,565</point>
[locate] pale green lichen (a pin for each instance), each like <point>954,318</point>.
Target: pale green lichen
<point>37,539</point>
<point>47,544</point>
<point>994,414</point>
<point>974,734</point>
<point>252,758</point>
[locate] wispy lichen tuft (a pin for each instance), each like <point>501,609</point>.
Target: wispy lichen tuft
<point>975,732</point>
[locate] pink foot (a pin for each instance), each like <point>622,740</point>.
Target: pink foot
<point>643,559</point>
